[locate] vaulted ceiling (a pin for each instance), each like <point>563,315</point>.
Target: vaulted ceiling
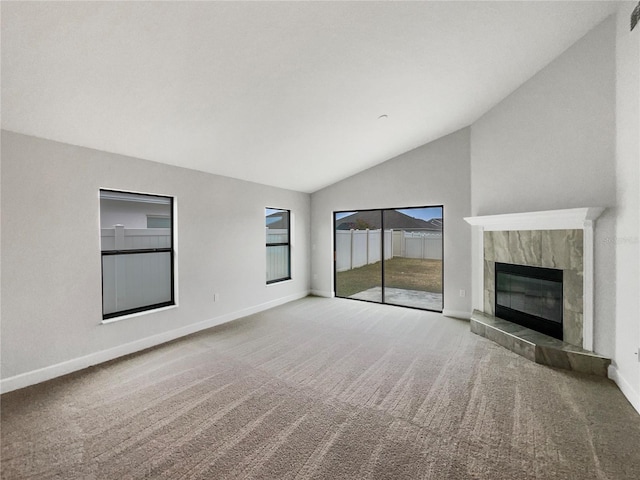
<point>281,93</point>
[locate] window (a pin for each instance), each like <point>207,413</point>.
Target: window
<point>137,258</point>
<point>278,244</point>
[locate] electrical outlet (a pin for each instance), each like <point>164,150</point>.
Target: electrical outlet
<point>463,293</point>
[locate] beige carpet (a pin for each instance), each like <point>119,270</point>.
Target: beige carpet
<point>323,388</point>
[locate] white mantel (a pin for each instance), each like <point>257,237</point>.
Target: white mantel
<point>570,219</point>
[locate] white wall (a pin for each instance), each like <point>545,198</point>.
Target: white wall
<point>51,279</point>
<point>551,145</point>
<point>627,243</point>
<point>435,174</point>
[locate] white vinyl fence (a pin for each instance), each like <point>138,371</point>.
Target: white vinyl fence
<point>356,248</point>
<point>277,256</point>
<point>136,280</point>
<point>417,244</point>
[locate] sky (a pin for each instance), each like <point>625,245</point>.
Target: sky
<point>426,213</point>
<point>271,211</point>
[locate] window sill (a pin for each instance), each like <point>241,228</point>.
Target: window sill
<point>138,314</point>
<point>280,282</point>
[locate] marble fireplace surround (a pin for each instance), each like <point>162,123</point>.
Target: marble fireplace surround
<point>557,249</point>
<point>562,239</point>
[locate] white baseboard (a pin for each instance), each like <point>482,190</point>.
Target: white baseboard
<point>625,387</point>
<point>322,293</point>
<point>457,314</point>
<point>47,373</point>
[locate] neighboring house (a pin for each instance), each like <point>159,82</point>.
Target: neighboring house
<point>392,219</point>
<point>276,221</point>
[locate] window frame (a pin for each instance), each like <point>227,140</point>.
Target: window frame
<point>170,250</point>
<point>281,244</point>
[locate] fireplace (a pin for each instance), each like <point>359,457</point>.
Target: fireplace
<point>539,265</point>
<point>530,296</point>
<point>554,239</point>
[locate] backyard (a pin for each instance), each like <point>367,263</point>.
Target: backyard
<point>404,273</point>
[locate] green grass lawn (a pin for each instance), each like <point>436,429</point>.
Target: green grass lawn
<point>405,273</point>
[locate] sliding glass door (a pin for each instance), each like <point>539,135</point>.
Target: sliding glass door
<point>390,256</point>
<point>413,267</point>
<point>357,255</point>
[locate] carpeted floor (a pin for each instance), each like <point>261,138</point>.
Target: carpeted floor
<point>323,388</point>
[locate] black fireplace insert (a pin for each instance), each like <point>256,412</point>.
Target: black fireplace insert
<point>530,296</point>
